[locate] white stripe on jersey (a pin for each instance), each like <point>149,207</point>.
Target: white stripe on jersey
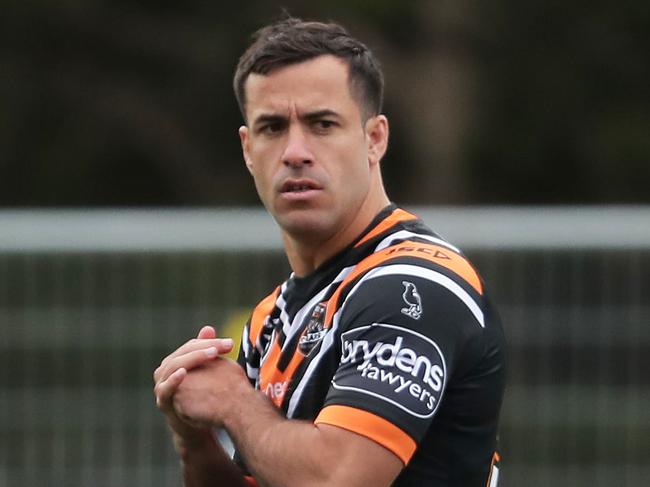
<point>245,341</point>
<point>281,305</point>
<point>494,479</point>
<point>437,277</point>
<point>268,345</point>
<point>399,269</point>
<point>253,373</point>
<point>405,235</point>
<point>295,326</point>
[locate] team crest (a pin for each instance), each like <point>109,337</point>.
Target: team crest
<point>315,329</point>
<point>413,301</point>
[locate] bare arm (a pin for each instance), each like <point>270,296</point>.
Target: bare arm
<point>205,463</point>
<point>280,452</point>
<point>298,453</point>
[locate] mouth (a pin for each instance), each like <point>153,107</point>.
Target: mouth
<point>298,186</point>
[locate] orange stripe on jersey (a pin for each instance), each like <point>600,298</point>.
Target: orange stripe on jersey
<point>273,382</point>
<point>371,426</point>
<point>260,313</point>
<point>396,216</point>
<point>270,382</point>
<point>441,256</point>
<point>434,253</point>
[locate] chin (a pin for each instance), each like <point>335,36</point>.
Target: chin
<point>307,224</point>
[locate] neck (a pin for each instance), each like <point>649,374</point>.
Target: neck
<point>305,255</point>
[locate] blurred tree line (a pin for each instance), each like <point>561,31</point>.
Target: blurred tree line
<point>130,103</point>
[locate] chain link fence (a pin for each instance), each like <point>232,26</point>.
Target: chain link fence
<point>91,302</point>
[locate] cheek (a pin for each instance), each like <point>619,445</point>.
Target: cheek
<point>260,169</point>
<point>354,168</point>
<point>262,185</point>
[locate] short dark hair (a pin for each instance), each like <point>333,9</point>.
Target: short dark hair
<point>292,40</point>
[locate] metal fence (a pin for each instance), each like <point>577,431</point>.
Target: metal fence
<point>91,301</point>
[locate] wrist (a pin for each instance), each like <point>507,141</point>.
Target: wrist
<point>233,408</point>
<point>198,441</point>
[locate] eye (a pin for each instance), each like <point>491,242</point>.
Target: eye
<point>272,128</point>
<point>324,125</point>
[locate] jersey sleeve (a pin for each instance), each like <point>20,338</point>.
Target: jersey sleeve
<point>400,337</point>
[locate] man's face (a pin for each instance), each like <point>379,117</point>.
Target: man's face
<point>307,148</point>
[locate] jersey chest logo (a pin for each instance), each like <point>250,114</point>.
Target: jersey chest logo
<point>315,329</point>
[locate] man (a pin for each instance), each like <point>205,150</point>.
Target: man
<point>380,360</point>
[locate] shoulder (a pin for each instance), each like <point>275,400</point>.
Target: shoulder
<point>425,259</point>
<point>411,280</point>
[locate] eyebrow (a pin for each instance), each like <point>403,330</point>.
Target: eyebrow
<point>310,116</point>
<point>269,118</point>
<point>320,114</point>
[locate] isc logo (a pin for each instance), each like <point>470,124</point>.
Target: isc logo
<point>435,253</point>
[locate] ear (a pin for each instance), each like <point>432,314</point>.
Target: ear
<point>377,138</point>
<point>243,138</point>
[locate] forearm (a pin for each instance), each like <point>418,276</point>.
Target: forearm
<point>204,463</point>
<point>281,452</point>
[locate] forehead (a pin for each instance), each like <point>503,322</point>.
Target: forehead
<point>318,83</point>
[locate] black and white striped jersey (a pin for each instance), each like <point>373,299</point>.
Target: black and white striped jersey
<point>395,339</point>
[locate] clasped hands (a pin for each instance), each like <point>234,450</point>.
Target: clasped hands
<point>194,387</point>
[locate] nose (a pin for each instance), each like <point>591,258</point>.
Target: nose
<point>297,152</point>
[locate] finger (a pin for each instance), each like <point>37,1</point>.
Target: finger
<point>222,345</point>
<point>193,359</point>
<point>165,390</point>
<point>225,345</point>
<point>188,361</point>
<point>207,332</point>
<point>196,344</point>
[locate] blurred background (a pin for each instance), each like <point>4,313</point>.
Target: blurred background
<point>127,218</point>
